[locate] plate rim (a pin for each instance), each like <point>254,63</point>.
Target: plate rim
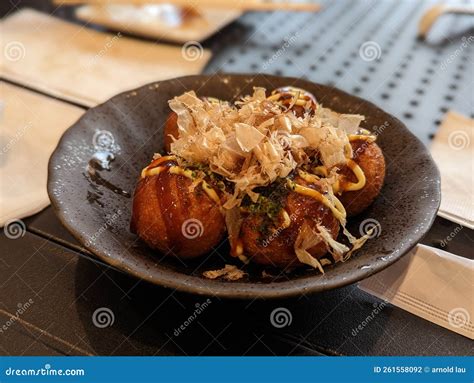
<point>245,290</point>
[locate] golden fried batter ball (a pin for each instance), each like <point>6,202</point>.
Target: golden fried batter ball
<point>171,130</point>
<point>272,243</point>
<point>369,157</point>
<point>172,215</point>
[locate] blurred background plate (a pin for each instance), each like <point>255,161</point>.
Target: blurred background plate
<point>96,209</point>
<point>164,22</point>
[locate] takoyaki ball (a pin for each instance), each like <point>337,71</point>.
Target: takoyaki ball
<point>171,125</point>
<point>269,242</point>
<point>171,130</point>
<point>172,215</point>
<point>370,159</point>
<point>305,103</point>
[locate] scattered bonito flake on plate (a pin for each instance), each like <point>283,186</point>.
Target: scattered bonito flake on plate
<point>229,272</point>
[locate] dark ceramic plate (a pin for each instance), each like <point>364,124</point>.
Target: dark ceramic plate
<point>95,205</point>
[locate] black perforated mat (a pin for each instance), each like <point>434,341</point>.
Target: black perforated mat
<point>417,81</point>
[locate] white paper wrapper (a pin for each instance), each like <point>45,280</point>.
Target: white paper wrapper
<point>30,128</point>
<point>431,283</point>
<point>453,152</point>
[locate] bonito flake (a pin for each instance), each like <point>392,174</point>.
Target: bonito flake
<point>256,141</point>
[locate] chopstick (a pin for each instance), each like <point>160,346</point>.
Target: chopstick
<point>435,12</point>
<point>242,5</point>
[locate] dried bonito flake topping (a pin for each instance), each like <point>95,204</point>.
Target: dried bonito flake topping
<point>255,141</point>
<point>266,157</point>
<point>228,272</point>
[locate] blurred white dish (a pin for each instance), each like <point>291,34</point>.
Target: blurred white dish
<point>165,22</point>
